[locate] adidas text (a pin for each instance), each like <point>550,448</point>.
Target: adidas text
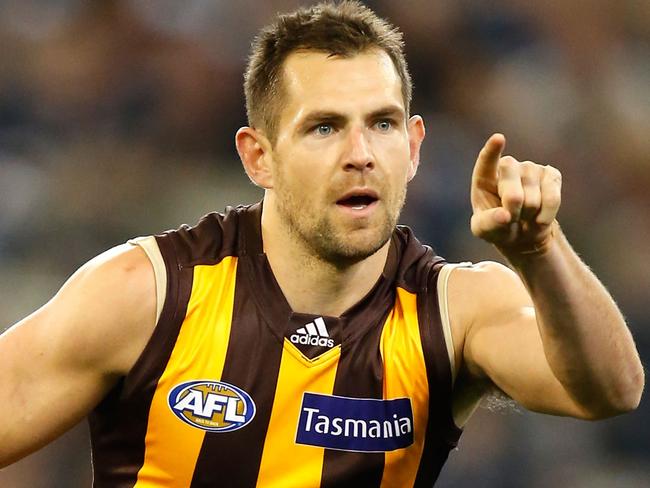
<point>311,340</point>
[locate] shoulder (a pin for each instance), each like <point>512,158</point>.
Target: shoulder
<point>123,261</point>
<point>122,273</point>
<point>482,293</point>
<point>484,284</point>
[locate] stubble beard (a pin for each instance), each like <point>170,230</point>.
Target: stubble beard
<point>328,242</point>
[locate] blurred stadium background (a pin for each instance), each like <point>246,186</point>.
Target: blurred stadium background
<point>117,119</point>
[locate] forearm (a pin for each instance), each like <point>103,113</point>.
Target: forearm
<point>586,341</point>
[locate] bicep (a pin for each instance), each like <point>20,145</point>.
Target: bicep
<point>502,342</point>
<point>57,364</point>
<point>43,393</point>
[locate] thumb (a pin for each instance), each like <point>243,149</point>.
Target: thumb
<point>493,220</point>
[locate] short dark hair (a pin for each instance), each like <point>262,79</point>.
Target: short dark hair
<point>345,29</point>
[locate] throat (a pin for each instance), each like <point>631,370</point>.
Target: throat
<point>313,286</point>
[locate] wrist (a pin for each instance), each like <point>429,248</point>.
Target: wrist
<point>533,251</point>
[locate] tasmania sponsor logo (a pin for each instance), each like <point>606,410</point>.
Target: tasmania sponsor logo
<point>355,424</point>
<point>214,406</point>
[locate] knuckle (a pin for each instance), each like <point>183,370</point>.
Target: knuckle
<point>550,167</point>
<point>554,173</point>
<point>532,172</point>
<point>529,167</point>
<point>508,161</point>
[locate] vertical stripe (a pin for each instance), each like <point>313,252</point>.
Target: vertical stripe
<point>405,376</point>
<point>441,434</point>
<point>296,374</point>
<point>360,375</point>
<point>231,459</point>
<point>171,446</point>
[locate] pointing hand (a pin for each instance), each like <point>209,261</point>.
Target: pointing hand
<point>514,203</point>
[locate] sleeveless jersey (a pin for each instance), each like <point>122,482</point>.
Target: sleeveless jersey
<point>234,389</point>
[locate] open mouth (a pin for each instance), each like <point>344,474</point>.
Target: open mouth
<point>358,200</point>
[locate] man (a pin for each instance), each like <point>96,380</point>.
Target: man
<point>306,340</point>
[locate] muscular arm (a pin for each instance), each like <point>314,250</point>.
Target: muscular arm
<point>586,341</point>
<point>561,349</point>
<point>57,364</point>
<point>549,335</point>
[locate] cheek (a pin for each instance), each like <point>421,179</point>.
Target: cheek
<point>308,164</point>
<point>299,178</point>
<point>392,147</point>
<point>397,163</point>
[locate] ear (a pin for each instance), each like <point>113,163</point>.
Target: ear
<point>416,133</point>
<point>254,151</point>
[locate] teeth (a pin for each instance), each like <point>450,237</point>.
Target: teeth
<point>359,207</point>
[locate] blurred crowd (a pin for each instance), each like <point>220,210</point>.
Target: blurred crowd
<point>117,119</point>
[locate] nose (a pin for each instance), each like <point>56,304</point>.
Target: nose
<point>357,154</point>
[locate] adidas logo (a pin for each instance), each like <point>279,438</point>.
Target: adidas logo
<point>313,334</point>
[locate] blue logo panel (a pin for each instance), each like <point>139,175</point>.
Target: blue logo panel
<point>213,406</point>
<point>355,424</point>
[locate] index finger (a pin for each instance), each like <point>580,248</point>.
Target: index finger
<point>488,159</point>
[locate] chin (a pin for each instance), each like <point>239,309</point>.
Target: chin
<point>347,250</point>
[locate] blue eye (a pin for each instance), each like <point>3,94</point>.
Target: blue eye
<point>384,125</point>
<point>324,129</point>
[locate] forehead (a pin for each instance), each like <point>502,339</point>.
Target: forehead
<point>319,81</point>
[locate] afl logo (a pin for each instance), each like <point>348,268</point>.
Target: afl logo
<point>214,406</point>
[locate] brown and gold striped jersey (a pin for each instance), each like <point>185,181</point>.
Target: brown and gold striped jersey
<point>234,389</point>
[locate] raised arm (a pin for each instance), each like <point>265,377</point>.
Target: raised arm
<point>550,336</point>
<point>57,364</point>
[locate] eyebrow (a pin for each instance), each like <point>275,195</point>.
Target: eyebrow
<point>323,116</point>
<point>394,111</point>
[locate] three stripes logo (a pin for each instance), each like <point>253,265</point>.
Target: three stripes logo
<point>313,334</point>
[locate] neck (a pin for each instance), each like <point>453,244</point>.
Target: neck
<point>309,283</point>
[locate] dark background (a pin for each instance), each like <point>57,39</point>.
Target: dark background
<point>117,119</point>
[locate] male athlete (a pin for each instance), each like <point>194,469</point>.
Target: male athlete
<point>307,340</point>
